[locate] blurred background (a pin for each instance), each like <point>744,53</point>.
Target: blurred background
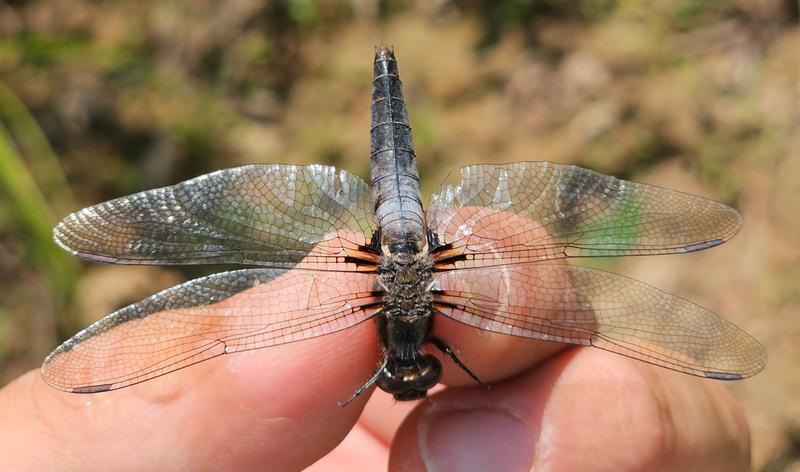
<point>103,99</point>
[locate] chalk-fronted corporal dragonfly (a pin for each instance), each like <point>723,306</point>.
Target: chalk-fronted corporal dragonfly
<point>326,251</point>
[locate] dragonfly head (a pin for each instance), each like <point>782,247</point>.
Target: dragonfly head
<point>410,381</point>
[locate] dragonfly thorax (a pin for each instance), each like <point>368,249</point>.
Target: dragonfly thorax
<point>405,319</point>
<point>407,281</point>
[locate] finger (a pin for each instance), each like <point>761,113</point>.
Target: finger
<point>490,355</point>
<point>582,410</point>
<point>273,408</point>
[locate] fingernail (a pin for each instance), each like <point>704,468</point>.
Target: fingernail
<point>483,439</point>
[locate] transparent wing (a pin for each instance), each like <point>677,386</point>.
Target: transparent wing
<point>537,211</point>
<point>270,215</point>
<point>578,305</point>
<point>204,318</point>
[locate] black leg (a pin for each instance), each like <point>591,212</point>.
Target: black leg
<point>374,378</point>
<point>442,346</point>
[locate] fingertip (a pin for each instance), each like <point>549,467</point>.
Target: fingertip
<point>476,428</point>
<point>577,407</point>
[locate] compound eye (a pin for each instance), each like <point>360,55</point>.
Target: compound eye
<point>393,382</point>
<point>429,374</point>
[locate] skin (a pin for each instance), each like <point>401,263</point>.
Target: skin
<point>580,409</point>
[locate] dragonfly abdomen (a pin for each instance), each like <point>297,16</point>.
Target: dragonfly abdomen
<point>393,166</point>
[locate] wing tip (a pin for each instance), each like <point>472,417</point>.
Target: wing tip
<point>741,374</point>
<point>53,383</point>
<point>734,225</point>
<point>59,236</point>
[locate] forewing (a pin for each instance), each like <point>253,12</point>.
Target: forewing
<point>269,215</point>
<point>538,211</point>
<point>215,315</point>
<point>578,305</point>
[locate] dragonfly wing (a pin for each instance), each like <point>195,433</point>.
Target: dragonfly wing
<point>538,211</point>
<point>204,318</point>
<point>270,215</point>
<point>579,305</point>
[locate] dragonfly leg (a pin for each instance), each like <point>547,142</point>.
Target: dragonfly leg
<point>442,346</point>
<point>373,378</point>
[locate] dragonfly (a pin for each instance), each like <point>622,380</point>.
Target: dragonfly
<point>323,251</point>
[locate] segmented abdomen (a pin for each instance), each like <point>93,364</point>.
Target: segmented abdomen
<point>393,166</point>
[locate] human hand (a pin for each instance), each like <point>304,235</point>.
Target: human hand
<point>276,409</point>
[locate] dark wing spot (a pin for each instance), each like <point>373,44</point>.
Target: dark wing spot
<point>722,375</point>
<point>703,245</point>
<point>92,388</point>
